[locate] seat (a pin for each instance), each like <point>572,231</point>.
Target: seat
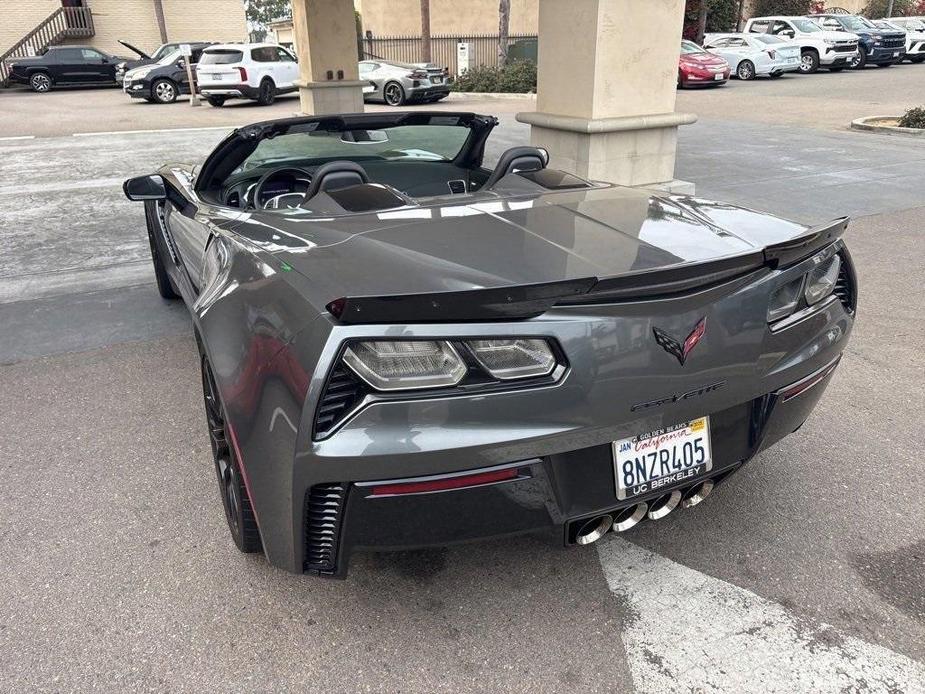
<point>334,175</point>
<point>517,159</point>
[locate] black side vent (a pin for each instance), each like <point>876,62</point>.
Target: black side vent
<point>844,288</point>
<point>324,504</point>
<point>342,393</point>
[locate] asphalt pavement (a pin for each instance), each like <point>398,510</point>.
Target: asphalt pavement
<point>805,572</point>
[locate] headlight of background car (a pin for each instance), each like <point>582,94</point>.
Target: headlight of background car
<point>510,359</point>
<point>394,365</point>
<point>821,281</point>
<point>417,364</point>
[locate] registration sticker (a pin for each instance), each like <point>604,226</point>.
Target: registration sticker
<point>662,458</point>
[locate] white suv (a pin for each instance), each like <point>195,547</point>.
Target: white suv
<point>257,71</point>
<point>834,50</point>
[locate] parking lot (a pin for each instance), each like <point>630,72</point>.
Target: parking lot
<point>805,572</point>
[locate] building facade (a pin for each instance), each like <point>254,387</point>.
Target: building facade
<point>143,23</point>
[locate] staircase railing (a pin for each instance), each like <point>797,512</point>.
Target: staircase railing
<point>63,23</point>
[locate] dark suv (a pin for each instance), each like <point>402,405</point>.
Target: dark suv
<point>881,47</point>
<point>61,65</point>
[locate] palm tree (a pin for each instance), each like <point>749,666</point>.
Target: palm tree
<point>425,31</point>
<point>504,23</point>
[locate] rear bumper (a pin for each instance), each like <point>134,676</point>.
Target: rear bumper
<point>418,93</point>
<point>551,494</point>
<point>230,91</point>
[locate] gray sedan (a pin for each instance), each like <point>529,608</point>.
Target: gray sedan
<point>397,83</point>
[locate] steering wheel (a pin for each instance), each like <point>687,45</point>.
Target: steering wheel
<point>297,174</point>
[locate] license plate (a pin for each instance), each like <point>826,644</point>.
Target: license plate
<point>663,458</point>
<point>217,78</point>
<point>718,77</point>
<point>436,80</point>
<point>896,54</point>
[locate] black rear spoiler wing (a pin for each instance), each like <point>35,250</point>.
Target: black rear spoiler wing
<point>531,300</point>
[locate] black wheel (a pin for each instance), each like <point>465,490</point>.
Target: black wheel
<point>746,70</point>
<point>267,93</point>
<point>237,504</point>
<point>216,101</point>
<point>809,62</point>
<point>164,91</point>
<point>394,94</point>
<point>859,61</point>
<point>164,285</point>
<point>40,82</point>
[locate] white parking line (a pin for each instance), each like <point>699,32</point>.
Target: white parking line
<point>17,137</point>
<point>160,130</point>
<point>690,632</point>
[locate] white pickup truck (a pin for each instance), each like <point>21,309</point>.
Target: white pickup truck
<point>833,50</point>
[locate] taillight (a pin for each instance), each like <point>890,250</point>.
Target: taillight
<point>441,484</point>
<point>243,74</point>
<point>771,53</point>
<point>417,75</point>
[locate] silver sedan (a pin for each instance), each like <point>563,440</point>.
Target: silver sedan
<point>396,83</point>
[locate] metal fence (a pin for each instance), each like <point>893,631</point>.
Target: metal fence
<point>483,48</point>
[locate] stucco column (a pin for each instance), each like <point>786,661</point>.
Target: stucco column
<point>606,89</point>
<point>326,42</point>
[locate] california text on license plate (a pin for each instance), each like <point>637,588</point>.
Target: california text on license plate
<point>662,458</point>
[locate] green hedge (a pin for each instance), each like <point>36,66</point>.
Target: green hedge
<point>913,118</point>
<point>517,76</point>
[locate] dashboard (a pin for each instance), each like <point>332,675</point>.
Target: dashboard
<point>255,191</point>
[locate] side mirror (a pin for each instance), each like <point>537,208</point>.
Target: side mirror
<point>181,64</point>
<point>788,33</point>
<point>145,188</point>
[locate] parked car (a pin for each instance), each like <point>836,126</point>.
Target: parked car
<point>396,83</point>
<point>163,81</point>
<point>881,47</point>
<point>144,59</point>
<point>755,55</point>
<point>257,71</point>
<point>380,371</point>
<point>698,68</point>
<point>915,36</point>
<point>65,65</point>
<point>833,50</point>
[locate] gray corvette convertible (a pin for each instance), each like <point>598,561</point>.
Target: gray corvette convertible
<point>403,348</point>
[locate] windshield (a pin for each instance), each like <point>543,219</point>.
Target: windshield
<point>441,140</point>
<point>170,58</point>
<point>221,56</point>
<point>806,25</point>
<point>688,47</point>
<point>914,24</point>
<point>769,39</point>
<point>164,50</point>
<point>852,23</point>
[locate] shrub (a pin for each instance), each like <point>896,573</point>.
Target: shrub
<point>516,76</point>
<point>764,8</point>
<point>913,118</point>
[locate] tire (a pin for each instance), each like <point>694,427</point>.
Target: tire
<point>267,93</point>
<point>680,80</point>
<point>239,513</point>
<point>164,91</point>
<point>745,70</point>
<point>836,69</point>
<point>164,285</point>
<point>884,64</point>
<point>776,75</point>
<point>393,93</point>
<point>216,101</point>
<point>150,100</point>
<point>40,82</point>
<point>860,62</point>
<point>809,61</point>
<point>917,59</point>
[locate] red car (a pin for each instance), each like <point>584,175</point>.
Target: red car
<point>696,67</point>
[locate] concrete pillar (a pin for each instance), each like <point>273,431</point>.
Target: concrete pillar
<point>325,39</point>
<point>606,89</point>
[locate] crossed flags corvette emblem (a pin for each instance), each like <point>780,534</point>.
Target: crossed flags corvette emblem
<point>679,349</point>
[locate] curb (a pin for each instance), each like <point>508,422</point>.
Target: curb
<point>870,124</point>
<point>492,96</point>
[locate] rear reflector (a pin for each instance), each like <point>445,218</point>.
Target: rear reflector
<point>801,387</point>
<point>445,483</point>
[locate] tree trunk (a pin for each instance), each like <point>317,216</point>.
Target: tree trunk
<point>889,9</point>
<point>425,31</point>
<point>702,21</point>
<point>161,24</point>
<point>504,24</point>
<point>739,12</point>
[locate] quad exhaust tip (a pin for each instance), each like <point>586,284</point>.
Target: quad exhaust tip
<point>593,530</point>
<point>697,493</point>
<point>630,516</point>
<point>664,505</point>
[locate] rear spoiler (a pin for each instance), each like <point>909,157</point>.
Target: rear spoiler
<point>531,300</point>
